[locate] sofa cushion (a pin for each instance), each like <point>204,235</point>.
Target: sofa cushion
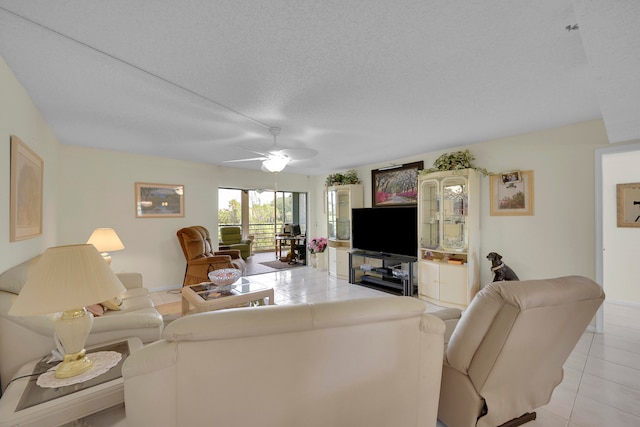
<point>96,309</point>
<point>112,304</point>
<point>14,278</point>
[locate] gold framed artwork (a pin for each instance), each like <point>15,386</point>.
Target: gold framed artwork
<point>159,200</point>
<point>25,215</point>
<point>628,197</point>
<point>512,196</point>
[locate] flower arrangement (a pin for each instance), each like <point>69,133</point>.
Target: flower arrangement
<point>317,245</point>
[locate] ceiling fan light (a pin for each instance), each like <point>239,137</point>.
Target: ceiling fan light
<point>275,164</point>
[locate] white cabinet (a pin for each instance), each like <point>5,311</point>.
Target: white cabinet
<point>340,200</point>
<point>448,235</point>
<point>445,284</point>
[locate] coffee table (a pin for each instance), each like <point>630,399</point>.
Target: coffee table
<point>24,403</point>
<point>245,293</point>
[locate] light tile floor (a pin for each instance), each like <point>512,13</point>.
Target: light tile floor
<point>602,376</point>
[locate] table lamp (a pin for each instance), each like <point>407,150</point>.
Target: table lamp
<point>66,279</point>
<point>105,240</point>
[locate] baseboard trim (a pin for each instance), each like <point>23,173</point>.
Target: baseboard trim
<point>623,303</point>
<point>166,288</point>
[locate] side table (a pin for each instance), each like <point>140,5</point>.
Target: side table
<point>24,403</point>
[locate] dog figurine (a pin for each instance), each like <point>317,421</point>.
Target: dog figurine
<point>501,271</point>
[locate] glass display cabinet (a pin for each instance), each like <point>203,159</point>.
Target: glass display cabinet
<point>339,213</point>
<point>448,236</point>
<point>340,200</point>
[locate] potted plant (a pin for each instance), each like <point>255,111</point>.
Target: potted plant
<point>455,161</point>
<point>349,177</point>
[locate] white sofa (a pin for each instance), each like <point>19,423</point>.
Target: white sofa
<point>369,362</point>
<point>23,339</point>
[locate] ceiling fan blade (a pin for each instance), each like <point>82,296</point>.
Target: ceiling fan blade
<point>276,154</point>
<point>261,153</point>
<point>246,160</point>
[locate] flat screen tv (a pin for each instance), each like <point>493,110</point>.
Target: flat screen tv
<point>389,230</point>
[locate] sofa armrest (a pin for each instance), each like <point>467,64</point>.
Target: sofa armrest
<point>130,280</point>
<point>210,260</point>
<point>233,253</point>
<point>447,314</point>
<point>450,317</point>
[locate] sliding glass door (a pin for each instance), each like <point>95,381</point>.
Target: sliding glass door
<point>262,213</point>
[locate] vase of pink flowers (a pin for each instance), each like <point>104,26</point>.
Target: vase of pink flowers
<point>316,247</point>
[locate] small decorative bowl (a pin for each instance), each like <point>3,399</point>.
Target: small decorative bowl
<point>224,279</point>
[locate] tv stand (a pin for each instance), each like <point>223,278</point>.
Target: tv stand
<point>382,271</point>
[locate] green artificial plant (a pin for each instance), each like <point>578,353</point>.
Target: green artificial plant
<point>349,177</point>
<point>455,161</point>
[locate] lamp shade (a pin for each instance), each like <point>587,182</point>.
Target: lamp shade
<point>105,240</point>
<point>275,163</point>
<point>65,278</point>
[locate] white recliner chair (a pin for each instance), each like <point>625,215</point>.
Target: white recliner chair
<point>507,349</point>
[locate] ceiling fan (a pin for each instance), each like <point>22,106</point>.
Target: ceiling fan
<point>277,158</point>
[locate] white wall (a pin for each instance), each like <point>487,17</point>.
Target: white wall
<point>20,117</point>
<point>559,238</point>
<point>97,190</point>
<point>621,268</point>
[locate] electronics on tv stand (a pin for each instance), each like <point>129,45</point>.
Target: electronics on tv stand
<point>374,254</point>
<point>391,276</point>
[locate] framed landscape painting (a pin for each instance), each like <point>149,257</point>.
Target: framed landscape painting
<point>25,215</point>
<point>159,200</point>
<point>512,197</point>
<point>395,186</point>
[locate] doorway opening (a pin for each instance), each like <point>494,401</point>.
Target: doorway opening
<point>614,246</point>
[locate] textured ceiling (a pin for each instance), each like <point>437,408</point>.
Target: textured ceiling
<point>361,82</point>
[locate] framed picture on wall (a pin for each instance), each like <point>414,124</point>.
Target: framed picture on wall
<point>628,197</point>
<point>512,196</point>
<point>159,200</point>
<point>395,186</point>
<point>27,169</point>
<point>511,176</point>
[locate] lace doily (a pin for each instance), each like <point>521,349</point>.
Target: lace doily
<point>102,362</point>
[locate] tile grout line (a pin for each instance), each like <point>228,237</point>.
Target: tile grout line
<point>573,405</point>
